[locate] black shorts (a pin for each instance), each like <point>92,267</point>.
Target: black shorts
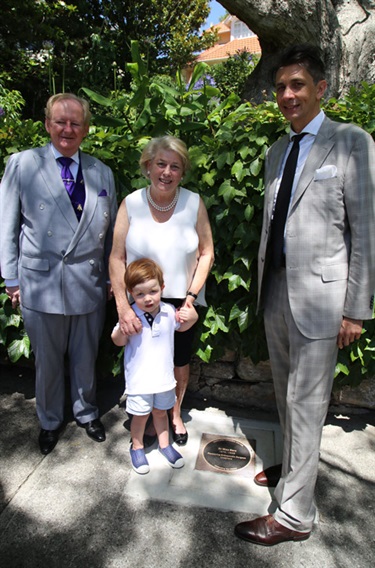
<point>183,340</point>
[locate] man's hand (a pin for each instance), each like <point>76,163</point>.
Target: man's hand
<point>14,295</point>
<point>350,330</point>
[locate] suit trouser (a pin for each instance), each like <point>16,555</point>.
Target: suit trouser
<point>303,371</point>
<point>51,337</point>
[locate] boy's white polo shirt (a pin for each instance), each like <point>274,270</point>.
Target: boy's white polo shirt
<point>148,356</point>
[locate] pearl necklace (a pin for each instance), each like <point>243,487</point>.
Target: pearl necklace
<point>158,207</point>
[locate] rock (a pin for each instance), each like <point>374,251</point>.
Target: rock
<point>362,396</point>
<point>247,371</point>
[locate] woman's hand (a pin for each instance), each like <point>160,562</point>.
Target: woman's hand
<point>130,323</point>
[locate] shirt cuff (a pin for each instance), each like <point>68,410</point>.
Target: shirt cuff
<point>11,283</point>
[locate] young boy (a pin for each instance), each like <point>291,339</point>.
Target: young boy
<point>150,382</point>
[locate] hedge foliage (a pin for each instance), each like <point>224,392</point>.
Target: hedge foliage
<point>227,140</point>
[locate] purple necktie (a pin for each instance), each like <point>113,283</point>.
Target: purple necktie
<point>66,174</point>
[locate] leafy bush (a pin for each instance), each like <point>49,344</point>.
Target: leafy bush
<point>230,76</point>
<point>227,142</point>
<point>15,134</point>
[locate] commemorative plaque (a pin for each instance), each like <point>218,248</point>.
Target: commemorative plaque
<point>226,454</point>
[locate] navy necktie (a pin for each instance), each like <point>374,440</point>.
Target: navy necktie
<point>66,174</point>
<point>282,205</point>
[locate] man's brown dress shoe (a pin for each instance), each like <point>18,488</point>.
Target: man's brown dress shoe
<point>267,532</point>
<point>270,477</point>
<point>48,440</point>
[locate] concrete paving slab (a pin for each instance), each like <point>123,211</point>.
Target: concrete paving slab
<point>76,506</point>
<point>223,491</point>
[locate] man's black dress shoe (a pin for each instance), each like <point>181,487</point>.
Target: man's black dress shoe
<point>48,440</point>
<point>267,532</point>
<point>270,477</point>
<point>95,430</point>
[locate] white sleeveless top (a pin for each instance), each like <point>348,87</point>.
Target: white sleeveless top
<point>173,244</point>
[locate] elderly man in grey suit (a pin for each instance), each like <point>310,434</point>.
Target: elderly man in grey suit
<point>57,212</point>
<point>316,279</point>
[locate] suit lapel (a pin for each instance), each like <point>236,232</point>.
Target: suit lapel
<point>320,149</point>
<point>50,173</point>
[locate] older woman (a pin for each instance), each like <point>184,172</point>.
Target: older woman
<point>169,224</point>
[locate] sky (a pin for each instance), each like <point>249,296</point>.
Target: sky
<point>217,11</point>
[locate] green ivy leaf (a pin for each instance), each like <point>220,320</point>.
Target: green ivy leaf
<point>249,212</point>
<point>256,166</point>
<point>19,348</point>
<point>238,170</point>
<point>227,191</point>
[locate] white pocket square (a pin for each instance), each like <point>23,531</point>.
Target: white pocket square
<point>326,172</point>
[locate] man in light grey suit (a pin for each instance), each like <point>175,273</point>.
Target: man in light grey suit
<point>317,291</point>
<point>55,245</point>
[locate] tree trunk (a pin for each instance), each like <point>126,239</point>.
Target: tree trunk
<point>343,29</point>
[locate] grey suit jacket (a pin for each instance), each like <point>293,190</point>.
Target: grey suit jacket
<point>61,264</point>
<point>330,230</point>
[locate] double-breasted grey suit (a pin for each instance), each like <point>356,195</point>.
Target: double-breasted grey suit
<point>61,266</point>
<point>329,274</point>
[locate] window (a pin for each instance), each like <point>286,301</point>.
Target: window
<point>240,30</point>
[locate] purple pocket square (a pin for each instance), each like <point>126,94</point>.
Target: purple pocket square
<point>103,193</point>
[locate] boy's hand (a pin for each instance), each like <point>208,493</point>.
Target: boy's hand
<point>118,337</point>
<point>187,313</point>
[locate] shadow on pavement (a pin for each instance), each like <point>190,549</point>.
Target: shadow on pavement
<point>72,507</point>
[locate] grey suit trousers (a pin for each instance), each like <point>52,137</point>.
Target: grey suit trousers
<point>52,336</point>
<point>303,371</point>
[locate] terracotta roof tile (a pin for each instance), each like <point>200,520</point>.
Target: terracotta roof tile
<point>220,28</point>
<point>251,44</point>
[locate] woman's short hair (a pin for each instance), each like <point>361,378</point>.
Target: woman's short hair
<point>164,143</point>
<point>68,97</point>
<point>140,271</point>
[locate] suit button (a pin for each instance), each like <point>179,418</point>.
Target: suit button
<point>41,205</point>
<point>105,214</point>
<point>100,236</point>
<point>92,262</point>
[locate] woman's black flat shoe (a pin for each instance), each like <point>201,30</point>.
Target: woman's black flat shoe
<point>149,440</point>
<point>180,439</point>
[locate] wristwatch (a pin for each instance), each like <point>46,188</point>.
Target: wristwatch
<point>195,296</point>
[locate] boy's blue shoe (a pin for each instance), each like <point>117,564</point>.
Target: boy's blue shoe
<point>174,458</point>
<point>139,461</point>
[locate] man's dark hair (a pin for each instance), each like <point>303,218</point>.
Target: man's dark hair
<point>305,54</point>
